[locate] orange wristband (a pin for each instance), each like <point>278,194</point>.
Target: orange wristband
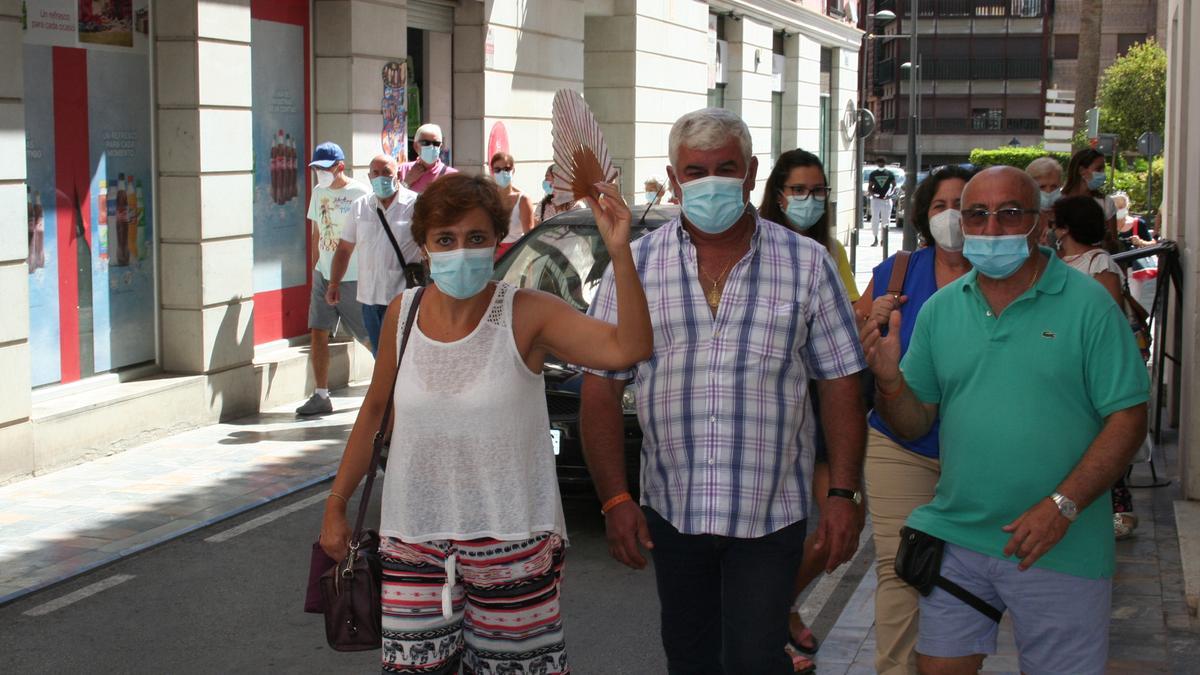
<point>614,502</point>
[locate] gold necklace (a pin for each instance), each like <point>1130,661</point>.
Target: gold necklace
<point>713,297</point>
<point>1036,273</point>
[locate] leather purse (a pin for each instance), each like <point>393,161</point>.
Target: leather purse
<point>919,564</point>
<point>348,592</point>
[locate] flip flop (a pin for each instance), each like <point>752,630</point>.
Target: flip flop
<point>804,634</point>
<point>802,665</point>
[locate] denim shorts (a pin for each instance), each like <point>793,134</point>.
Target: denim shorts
<point>1060,621</point>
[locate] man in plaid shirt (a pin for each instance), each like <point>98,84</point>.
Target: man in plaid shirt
<point>746,313</point>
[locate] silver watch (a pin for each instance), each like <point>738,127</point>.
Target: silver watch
<point>1065,506</point>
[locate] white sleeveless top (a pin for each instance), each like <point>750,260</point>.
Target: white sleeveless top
<point>471,454</point>
<point>514,223</point>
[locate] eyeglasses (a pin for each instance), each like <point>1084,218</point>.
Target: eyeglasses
<point>425,142</point>
<point>820,192</point>
<point>1010,217</point>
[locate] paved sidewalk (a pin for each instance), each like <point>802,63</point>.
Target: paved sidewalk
<point>61,524</point>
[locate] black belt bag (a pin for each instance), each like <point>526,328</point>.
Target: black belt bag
<point>414,273</point>
<point>919,564</point>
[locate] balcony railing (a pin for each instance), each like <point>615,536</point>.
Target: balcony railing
<point>985,9</point>
<point>1023,68</point>
<point>965,125</point>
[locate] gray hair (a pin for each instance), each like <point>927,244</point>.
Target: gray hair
<point>428,128</point>
<point>708,129</point>
<point>1043,166</point>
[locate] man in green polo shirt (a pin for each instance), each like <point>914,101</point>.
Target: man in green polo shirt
<point>1042,394</point>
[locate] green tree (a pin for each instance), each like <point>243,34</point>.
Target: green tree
<point>1133,94</point>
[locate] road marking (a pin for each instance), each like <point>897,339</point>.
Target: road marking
<point>76,596</point>
<point>267,518</point>
<point>828,583</point>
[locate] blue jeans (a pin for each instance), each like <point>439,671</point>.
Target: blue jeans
<point>725,600</point>
<point>373,320</point>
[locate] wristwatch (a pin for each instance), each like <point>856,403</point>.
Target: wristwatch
<point>853,495</point>
<point>1065,506</point>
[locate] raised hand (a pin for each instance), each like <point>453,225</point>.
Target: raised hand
<point>612,214</point>
<point>883,353</point>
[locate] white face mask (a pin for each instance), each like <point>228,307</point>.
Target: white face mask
<point>946,228</point>
<point>324,178</point>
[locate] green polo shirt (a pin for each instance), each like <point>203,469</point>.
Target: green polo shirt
<point>1021,397</point>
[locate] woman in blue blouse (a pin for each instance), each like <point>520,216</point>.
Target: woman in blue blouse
<point>901,475</point>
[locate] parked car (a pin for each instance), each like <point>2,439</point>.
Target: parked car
<point>565,256</point>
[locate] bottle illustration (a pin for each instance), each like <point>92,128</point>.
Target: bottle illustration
<point>134,217</point>
<point>289,169</point>
<point>122,252</point>
<point>143,224</point>
<point>102,219</point>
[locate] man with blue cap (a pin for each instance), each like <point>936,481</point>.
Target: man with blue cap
<point>329,210</point>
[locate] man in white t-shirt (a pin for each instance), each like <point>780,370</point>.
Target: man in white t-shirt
<point>380,266</point>
<point>329,209</point>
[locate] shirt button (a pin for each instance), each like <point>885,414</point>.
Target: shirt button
<point>711,462</point>
<point>712,419</point>
<point>989,312</point>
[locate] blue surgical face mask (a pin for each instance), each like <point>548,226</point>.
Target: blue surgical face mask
<point>713,203</point>
<point>429,153</point>
<point>1096,181</point>
<point>651,195</point>
<point>997,257</point>
<point>804,213</point>
<point>384,186</point>
<point>1048,198</point>
<point>463,272</point>
<point>503,178</point>
<point>547,187</point>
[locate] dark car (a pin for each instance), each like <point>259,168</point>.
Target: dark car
<point>566,256</point>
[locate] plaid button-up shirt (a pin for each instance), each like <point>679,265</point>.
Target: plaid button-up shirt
<point>723,402</point>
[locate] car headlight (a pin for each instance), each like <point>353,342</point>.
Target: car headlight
<point>629,401</point>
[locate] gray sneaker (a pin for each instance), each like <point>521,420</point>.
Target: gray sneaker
<point>315,405</point>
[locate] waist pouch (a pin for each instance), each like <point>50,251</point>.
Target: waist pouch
<point>919,564</point>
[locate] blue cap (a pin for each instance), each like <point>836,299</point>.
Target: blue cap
<point>326,155</point>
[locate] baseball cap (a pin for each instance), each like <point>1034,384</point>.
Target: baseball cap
<point>326,155</point>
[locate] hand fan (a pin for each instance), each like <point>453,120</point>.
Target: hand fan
<point>580,153</point>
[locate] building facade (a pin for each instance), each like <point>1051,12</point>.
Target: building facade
<point>985,69</point>
<point>163,271</point>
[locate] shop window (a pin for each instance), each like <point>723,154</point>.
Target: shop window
<point>90,190</point>
<point>776,124</point>
<point>823,151</point>
<point>716,96</point>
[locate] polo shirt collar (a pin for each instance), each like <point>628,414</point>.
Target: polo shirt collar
<point>1052,281</point>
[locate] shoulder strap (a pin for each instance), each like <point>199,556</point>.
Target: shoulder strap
<point>899,272</point>
<point>391,237</point>
<point>977,603</point>
<point>381,433</point>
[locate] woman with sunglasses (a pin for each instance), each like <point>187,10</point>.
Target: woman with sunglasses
<point>472,529</point>
<point>796,196</point>
<point>900,475</point>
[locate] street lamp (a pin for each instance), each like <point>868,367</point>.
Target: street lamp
<point>920,107</point>
<point>910,169</point>
<point>882,18</point>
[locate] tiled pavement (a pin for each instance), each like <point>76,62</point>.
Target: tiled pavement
<point>61,524</point>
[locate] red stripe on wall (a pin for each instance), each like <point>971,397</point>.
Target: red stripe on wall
<point>71,169</point>
<point>280,314</point>
<point>283,11</point>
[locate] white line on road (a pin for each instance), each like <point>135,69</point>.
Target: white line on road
<point>267,518</point>
<point>76,596</point>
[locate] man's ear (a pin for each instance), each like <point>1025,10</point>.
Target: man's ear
<point>751,174</point>
<point>673,181</point>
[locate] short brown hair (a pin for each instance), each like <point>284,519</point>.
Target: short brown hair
<point>451,197</point>
<point>502,156</point>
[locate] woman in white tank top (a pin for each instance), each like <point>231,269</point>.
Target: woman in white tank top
<point>471,513</point>
<point>519,205</point>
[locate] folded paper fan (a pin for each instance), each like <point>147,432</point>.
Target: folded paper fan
<point>580,153</point>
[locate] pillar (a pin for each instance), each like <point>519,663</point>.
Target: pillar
<point>749,90</point>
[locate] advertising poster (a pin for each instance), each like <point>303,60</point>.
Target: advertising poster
<point>42,209</point>
<point>122,264</point>
<point>106,22</point>
<point>278,55</point>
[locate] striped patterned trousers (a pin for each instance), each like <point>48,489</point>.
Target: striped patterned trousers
<point>489,606</point>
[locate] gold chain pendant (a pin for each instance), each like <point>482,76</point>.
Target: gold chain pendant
<point>714,297</point>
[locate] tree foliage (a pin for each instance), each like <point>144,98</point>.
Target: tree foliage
<point>1133,94</point>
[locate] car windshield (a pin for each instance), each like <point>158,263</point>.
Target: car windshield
<point>566,256</point>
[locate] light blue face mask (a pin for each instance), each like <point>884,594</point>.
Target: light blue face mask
<point>1096,181</point>
<point>651,195</point>
<point>804,213</point>
<point>503,178</point>
<point>430,153</point>
<point>547,187</point>
<point>463,272</point>
<point>1048,198</point>
<point>384,186</point>
<point>997,257</point>
<point>713,203</point>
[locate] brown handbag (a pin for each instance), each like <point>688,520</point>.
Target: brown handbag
<point>350,590</point>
